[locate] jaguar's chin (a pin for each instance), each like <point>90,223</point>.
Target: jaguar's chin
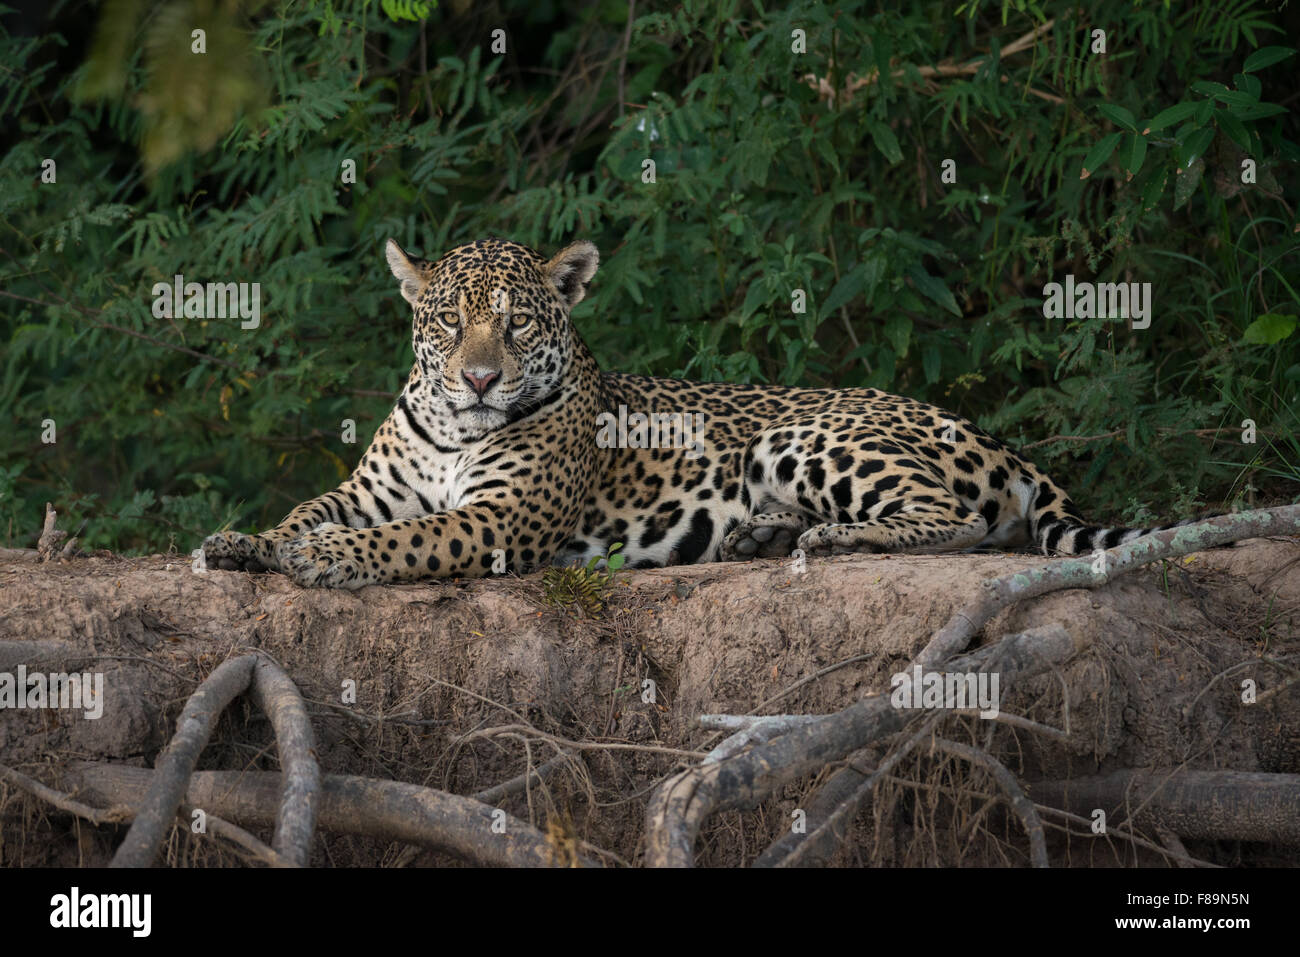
<point>464,409</point>
<point>479,417</point>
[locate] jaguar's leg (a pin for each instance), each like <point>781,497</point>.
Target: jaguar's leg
<point>235,550</point>
<point>463,543</point>
<point>899,527</point>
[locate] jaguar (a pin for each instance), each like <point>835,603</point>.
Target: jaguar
<point>498,456</point>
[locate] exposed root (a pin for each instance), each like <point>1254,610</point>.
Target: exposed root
<point>682,804</point>
<point>278,697</point>
<point>172,770</point>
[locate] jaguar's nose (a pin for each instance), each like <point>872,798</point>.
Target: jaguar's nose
<point>480,380</point>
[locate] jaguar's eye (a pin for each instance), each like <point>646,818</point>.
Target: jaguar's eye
<point>450,318</point>
<point>520,319</point>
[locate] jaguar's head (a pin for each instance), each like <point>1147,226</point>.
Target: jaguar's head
<point>491,329</point>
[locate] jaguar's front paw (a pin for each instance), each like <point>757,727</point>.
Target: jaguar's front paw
<point>235,551</point>
<point>833,539</point>
<point>322,559</point>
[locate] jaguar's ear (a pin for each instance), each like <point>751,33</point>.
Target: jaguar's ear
<point>411,271</point>
<point>571,269</point>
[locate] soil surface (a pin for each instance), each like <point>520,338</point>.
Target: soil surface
<point>439,668</point>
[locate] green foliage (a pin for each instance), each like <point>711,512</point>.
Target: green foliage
<point>406,9</point>
<point>781,178</point>
<point>582,588</point>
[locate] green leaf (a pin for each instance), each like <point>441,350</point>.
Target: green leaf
<point>898,330</point>
<point>886,142</point>
<point>1099,154</point>
<point>1119,116</point>
<point>1175,114</point>
<point>1269,328</point>
<point>756,296</point>
<point>1259,111</point>
<point>933,288</point>
<point>1234,130</point>
<point>1133,153</point>
<point>1247,84</point>
<point>874,270</point>
<point>931,364</point>
<point>1194,146</point>
<point>1237,99</point>
<point>850,285</point>
<point>1186,183</point>
<point>1265,57</point>
<point>1154,189</point>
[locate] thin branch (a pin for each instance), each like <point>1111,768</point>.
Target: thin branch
<point>1020,804</point>
<point>576,745</point>
<point>220,827</point>
<point>823,839</point>
<point>90,314</point>
<point>999,593</point>
<point>853,84</point>
<point>115,814</point>
<point>1199,433</point>
<point>749,729</point>
<point>537,775</point>
<point>622,60</point>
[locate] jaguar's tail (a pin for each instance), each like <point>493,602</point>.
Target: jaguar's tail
<point>1068,536</point>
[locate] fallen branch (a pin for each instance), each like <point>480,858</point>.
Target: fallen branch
<point>1210,805</point>
<point>386,810</point>
<point>35,654</point>
<point>122,814</point>
<point>1023,651</point>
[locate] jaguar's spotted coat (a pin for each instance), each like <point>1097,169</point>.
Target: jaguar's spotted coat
<point>492,452</point>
